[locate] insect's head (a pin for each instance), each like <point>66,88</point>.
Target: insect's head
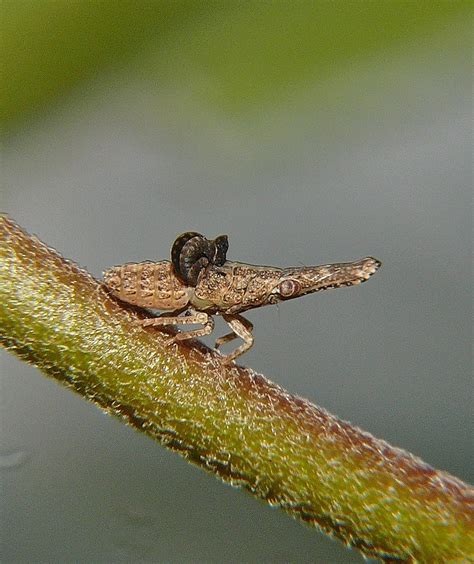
<point>298,281</point>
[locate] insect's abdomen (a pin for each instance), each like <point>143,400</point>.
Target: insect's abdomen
<point>148,284</point>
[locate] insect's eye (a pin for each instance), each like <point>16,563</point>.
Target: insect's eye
<point>288,288</point>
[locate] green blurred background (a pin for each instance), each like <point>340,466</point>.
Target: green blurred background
<point>309,132</point>
<point>234,57</point>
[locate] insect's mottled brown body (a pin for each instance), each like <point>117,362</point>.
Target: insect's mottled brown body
<point>206,284</point>
<point>237,287</point>
<point>148,284</point>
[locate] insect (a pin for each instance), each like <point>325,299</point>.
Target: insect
<point>200,282</point>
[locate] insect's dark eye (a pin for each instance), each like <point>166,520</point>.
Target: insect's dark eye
<point>288,288</point>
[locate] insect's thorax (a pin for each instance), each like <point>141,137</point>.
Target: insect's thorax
<point>234,287</point>
<point>148,284</point>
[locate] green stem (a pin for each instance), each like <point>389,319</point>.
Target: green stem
<point>227,419</point>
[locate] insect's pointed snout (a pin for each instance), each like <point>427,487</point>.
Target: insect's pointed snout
<point>345,274</point>
<point>300,281</point>
<point>363,269</point>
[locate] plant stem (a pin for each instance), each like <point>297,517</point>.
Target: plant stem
<point>227,419</point>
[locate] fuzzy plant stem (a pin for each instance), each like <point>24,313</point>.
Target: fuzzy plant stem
<point>228,420</point>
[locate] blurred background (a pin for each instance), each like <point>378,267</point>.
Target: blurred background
<point>309,132</point>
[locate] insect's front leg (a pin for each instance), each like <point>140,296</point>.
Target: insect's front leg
<point>195,318</point>
<point>232,335</point>
<point>242,328</point>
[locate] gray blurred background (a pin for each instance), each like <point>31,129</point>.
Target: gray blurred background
<point>310,132</point>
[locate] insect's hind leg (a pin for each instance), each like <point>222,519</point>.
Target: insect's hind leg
<point>195,318</point>
<point>201,317</point>
<point>242,328</point>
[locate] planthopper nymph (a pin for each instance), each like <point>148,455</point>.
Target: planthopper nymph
<point>200,282</point>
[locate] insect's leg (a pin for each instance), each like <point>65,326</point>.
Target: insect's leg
<point>161,319</point>
<point>242,328</point>
<point>231,336</point>
<point>193,319</point>
<point>225,339</point>
<point>148,321</point>
<point>200,317</point>
<point>173,313</point>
